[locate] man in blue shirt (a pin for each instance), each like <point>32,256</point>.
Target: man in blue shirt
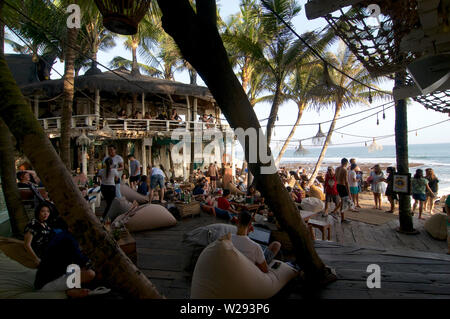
<point>135,171</point>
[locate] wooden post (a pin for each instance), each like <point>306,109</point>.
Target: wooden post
<point>36,106</point>
<point>143,105</point>
<point>188,114</point>
<point>144,158</point>
<point>97,107</point>
<point>233,145</point>
<point>401,147</point>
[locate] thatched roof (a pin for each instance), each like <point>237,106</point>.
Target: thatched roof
<point>22,67</point>
<point>112,83</point>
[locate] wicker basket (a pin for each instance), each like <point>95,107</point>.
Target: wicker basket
<point>188,209</point>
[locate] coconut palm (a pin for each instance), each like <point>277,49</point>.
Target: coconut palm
<point>241,28</point>
<point>16,211</point>
<point>301,81</point>
<point>339,91</point>
<point>277,53</point>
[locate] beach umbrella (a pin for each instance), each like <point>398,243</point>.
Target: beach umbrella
<point>374,147</point>
<point>122,16</point>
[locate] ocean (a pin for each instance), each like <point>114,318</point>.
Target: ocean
<point>436,156</point>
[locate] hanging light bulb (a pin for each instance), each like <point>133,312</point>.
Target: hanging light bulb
<point>342,135</point>
<point>370,96</point>
<point>35,58</point>
<point>416,133</point>
<point>378,121</point>
<point>320,137</point>
<point>365,144</point>
<point>384,115</point>
<point>277,118</point>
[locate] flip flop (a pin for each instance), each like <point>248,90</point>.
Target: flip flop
<point>99,291</point>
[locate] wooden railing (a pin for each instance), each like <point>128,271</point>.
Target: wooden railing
<point>91,122</point>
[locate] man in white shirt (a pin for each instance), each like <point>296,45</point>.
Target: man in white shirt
<point>157,178</point>
<point>117,164</point>
<point>249,248</point>
<point>117,159</point>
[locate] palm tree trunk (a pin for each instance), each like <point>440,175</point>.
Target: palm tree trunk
<point>246,73</point>
<point>96,243</point>
<point>301,108</point>
<point>202,47</point>
<point>68,93</point>
<point>273,113</point>
<point>325,145</point>
<point>401,147</point>
<point>134,66</point>
<point>17,215</point>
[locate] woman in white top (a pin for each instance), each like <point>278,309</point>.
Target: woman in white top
<point>377,184</point>
<point>108,176</point>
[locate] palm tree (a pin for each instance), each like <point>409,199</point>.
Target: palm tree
<point>16,211</point>
<point>277,53</point>
<point>301,81</point>
<point>242,28</point>
<point>339,91</point>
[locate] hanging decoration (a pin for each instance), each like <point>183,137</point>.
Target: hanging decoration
<point>320,137</point>
<point>384,115</point>
<point>378,121</point>
<point>122,16</point>
<point>106,131</point>
<point>300,151</point>
<point>83,141</point>
<point>374,147</point>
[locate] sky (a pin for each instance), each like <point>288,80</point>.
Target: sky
<point>418,116</point>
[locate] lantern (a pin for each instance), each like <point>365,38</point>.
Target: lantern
<point>374,147</point>
<point>122,16</point>
<point>300,151</point>
<point>320,137</point>
<point>84,142</point>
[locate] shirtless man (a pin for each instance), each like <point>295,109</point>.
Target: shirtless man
<point>212,172</point>
<point>342,184</point>
<point>353,161</point>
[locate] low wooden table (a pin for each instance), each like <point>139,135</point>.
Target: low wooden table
<point>249,207</point>
<point>188,209</point>
<point>128,244</point>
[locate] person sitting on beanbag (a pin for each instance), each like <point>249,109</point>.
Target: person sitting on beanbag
<point>261,255</point>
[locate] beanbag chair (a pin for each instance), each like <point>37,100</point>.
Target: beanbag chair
<point>234,190</point>
<point>118,207</point>
<point>15,250</point>
<point>222,272</point>
<point>131,195</point>
<point>312,204</point>
<point>147,217</point>
<point>17,282</point>
<point>436,226</point>
<point>203,236</point>
<point>316,192</point>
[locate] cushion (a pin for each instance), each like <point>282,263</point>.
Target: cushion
<point>118,207</point>
<point>15,250</point>
<point>316,192</point>
<point>436,226</point>
<point>17,282</point>
<point>132,195</point>
<point>222,272</point>
<point>207,209</point>
<point>234,190</point>
<point>148,217</point>
<point>312,204</point>
<point>203,236</point>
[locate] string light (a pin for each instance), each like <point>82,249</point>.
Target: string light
<point>370,96</point>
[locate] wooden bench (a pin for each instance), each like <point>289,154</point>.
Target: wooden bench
<point>322,226</point>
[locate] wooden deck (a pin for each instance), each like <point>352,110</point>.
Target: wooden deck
<point>411,266</point>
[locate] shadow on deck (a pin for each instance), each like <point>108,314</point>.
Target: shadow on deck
<point>411,266</point>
